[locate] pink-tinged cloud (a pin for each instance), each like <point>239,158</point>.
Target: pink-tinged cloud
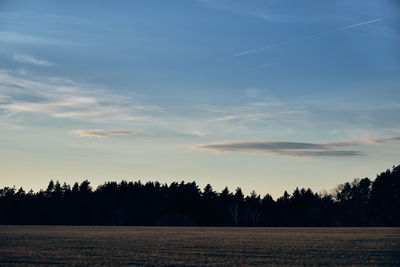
<point>96,133</point>
<point>297,149</point>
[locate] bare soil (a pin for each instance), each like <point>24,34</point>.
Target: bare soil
<point>197,246</point>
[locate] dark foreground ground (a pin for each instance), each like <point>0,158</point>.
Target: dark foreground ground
<point>186,246</point>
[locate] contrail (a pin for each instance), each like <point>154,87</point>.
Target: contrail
<point>305,38</point>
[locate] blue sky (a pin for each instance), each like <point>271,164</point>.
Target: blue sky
<point>265,95</point>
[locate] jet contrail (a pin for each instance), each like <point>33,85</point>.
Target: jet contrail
<point>305,38</point>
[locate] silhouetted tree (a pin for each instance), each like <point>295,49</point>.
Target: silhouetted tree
<point>385,198</point>
<point>360,203</point>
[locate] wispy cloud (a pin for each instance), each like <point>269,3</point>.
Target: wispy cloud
<point>62,98</point>
<point>96,133</point>
<point>264,66</point>
<point>256,112</point>
<point>299,149</point>
<point>381,140</point>
<point>251,51</point>
<point>237,7</point>
<point>246,117</point>
<point>31,60</point>
<point>265,104</point>
<point>22,38</point>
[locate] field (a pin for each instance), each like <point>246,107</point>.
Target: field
<point>190,246</point>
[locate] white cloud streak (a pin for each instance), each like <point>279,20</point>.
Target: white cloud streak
<point>247,52</point>
<point>297,149</point>
<point>264,66</point>
<point>245,117</point>
<point>25,59</point>
<point>21,38</point>
<point>237,7</point>
<point>97,133</point>
<point>381,140</point>
<point>61,98</point>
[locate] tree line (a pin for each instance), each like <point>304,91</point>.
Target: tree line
<point>360,203</point>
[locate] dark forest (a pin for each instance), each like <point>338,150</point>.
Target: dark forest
<point>362,202</point>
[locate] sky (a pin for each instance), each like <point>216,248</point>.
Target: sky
<point>264,95</point>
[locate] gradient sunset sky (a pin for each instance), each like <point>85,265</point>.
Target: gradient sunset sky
<point>267,95</point>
